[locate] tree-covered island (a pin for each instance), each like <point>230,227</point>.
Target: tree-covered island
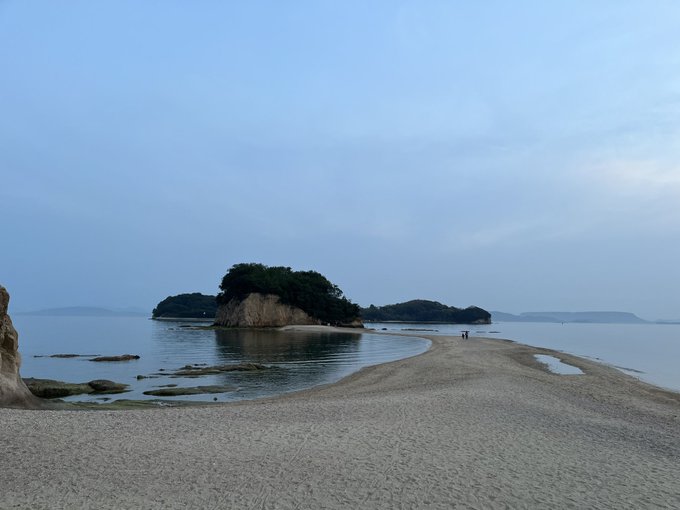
<point>255,295</point>
<point>247,286</point>
<point>421,310</point>
<point>186,306</point>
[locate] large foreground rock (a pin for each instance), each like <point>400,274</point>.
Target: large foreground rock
<point>13,391</point>
<point>261,311</point>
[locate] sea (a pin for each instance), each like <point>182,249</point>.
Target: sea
<point>301,360</point>
<point>650,352</point>
<point>294,360</point>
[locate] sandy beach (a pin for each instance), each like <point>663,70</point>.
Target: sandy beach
<point>469,424</point>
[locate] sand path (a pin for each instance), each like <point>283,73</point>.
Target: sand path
<point>469,424</point>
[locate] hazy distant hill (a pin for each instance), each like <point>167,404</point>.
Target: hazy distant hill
<point>509,317</point>
<point>581,317</point>
<point>85,311</point>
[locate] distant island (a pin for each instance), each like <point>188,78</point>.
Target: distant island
<point>421,310</point>
<point>255,295</point>
<point>186,306</point>
<point>575,317</point>
<point>84,311</point>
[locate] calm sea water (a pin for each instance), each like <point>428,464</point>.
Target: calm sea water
<point>302,360</point>
<point>650,352</point>
<point>297,360</point>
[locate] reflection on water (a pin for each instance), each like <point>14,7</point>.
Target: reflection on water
<point>264,346</point>
<point>297,360</point>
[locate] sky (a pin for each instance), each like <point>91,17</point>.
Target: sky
<point>518,156</point>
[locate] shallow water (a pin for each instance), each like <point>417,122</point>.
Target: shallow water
<point>296,360</point>
<point>557,366</point>
<point>647,351</point>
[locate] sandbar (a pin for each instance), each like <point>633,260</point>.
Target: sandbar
<point>475,423</point>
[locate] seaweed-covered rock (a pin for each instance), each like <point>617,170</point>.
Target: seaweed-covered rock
<point>106,386</point>
<point>49,388</point>
<point>195,371</point>
<point>195,390</point>
<point>122,357</point>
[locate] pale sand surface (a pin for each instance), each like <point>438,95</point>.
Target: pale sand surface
<point>469,424</point>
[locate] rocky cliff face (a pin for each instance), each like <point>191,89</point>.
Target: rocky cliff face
<point>260,311</point>
<point>13,391</point>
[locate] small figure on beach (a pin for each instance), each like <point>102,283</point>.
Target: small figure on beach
<point>464,334</point>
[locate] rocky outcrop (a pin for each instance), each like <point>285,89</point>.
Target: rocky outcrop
<point>196,371</point>
<point>49,388</point>
<point>122,357</point>
<point>13,391</point>
<point>354,323</point>
<point>194,390</point>
<point>261,311</point>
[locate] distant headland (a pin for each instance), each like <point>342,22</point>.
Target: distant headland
<point>421,310</point>
<point>84,311</point>
<point>575,317</point>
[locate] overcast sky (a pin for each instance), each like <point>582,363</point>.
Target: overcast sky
<point>518,156</point>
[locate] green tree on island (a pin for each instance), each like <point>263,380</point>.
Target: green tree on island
<point>186,306</point>
<point>308,290</point>
<point>421,310</point>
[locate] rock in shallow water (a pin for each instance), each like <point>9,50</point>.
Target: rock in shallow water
<point>72,355</point>
<point>195,371</point>
<point>195,390</point>
<point>49,388</point>
<point>122,357</point>
<point>106,386</point>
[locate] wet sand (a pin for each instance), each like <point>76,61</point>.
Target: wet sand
<point>472,423</point>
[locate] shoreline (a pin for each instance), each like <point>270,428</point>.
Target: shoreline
<point>479,423</point>
<point>525,353</point>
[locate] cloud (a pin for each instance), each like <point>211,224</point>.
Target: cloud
<point>505,232</point>
<point>636,196</point>
<point>642,178</point>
